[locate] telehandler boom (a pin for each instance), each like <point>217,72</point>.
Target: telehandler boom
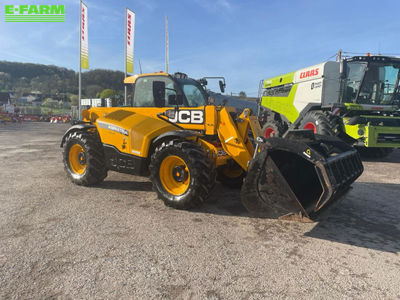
<point>172,134</point>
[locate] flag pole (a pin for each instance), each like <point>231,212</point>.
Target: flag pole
<point>126,71</point>
<point>80,62</point>
<point>166,44</point>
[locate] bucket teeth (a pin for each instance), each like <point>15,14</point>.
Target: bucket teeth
<point>345,168</point>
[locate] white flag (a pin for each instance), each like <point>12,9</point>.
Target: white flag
<point>84,37</point>
<point>130,39</point>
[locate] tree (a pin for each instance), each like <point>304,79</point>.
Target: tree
<point>74,100</point>
<point>48,102</point>
<point>108,93</point>
<point>92,90</point>
<point>5,81</point>
<point>52,80</point>
<point>242,94</point>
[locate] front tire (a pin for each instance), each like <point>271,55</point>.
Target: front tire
<point>182,174</point>
<point>273,129</point>
<point>83,158</point>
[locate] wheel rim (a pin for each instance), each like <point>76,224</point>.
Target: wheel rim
<point>311,126</point>
<point>174,175</point>
<point>77,159</point>
<point>269,132</point>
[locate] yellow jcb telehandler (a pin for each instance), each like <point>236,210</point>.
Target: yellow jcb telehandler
<point>173,133</point>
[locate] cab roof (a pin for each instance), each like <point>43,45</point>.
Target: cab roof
<point>132,79</point>
<point>374,58</point>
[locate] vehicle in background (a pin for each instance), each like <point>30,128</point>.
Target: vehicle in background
<point>356,98</point>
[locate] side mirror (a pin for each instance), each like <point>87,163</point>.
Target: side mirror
<point>222,86</point>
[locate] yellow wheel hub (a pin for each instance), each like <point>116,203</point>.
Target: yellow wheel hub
<point>77,159</point>
<point>174,175</point>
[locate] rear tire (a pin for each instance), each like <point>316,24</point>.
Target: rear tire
<point>231,175</point>
<point>83,158</point>
<point>182,174</point>
<point>318,122</point>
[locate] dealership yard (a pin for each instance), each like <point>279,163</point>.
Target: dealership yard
<point>117,240</point>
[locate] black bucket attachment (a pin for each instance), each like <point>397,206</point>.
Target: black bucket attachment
<point>295,177</point>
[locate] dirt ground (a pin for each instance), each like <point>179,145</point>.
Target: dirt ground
<point>117,240</point>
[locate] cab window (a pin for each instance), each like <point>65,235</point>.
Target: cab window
<point>193,95</point>
<point>144,92</point>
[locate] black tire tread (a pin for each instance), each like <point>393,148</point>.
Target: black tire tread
<point>202,171</point>
<point>324,126</point>
<point>231,182</point>
<point>96,170</point>
<point>278,127</point>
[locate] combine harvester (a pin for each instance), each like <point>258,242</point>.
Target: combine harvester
<point>355,98</point>
<point>171,133</point>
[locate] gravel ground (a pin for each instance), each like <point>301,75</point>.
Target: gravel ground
<point>117,240</point>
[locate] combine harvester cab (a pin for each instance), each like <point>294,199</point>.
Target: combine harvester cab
<point>294,178</point>
<point>355,98</point>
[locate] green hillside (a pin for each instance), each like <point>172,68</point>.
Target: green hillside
<point>53,81</point>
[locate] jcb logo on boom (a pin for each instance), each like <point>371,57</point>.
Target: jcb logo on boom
<point>187,117</point>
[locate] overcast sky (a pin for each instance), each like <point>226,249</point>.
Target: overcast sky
<point>245,41</point>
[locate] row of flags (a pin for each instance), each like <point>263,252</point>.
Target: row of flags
<point>129,38</point>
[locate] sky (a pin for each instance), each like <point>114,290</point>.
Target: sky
<point>245,41</point>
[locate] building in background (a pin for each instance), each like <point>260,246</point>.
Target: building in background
<point>5,102</point>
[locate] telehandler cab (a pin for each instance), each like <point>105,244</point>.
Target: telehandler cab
<point>171,133</point>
